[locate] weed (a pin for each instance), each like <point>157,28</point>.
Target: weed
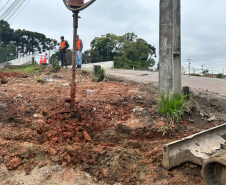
<point>100,75</point>
<point>164,129</point>
<point>40,80</point>
<point>26,69</point>
<point>55,68</point>
<point>172,109</point>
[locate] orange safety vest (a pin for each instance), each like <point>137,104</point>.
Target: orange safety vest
<point>79,44</point>
<point>63,45</point>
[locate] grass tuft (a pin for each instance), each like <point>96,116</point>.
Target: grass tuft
<point>172,109</point>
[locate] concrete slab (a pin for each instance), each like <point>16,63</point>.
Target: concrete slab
<point>195,148</point>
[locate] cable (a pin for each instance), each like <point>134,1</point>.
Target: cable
<point>19,11</point>
<point>13,9</point>
<point>5,5</point>
<point>13,13</point>
<point>9,9</point>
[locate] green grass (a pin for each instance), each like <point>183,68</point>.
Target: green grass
<point>172,109</point>
<point>100,75</point>
<point>40,80</point>
<point>26,69</point>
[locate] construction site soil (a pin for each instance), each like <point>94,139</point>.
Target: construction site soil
<point>113,136</point>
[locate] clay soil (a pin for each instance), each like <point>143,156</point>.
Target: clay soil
<point>111,137</point>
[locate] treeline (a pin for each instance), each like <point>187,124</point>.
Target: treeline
<point>127,51</point>
<point>23,42</point>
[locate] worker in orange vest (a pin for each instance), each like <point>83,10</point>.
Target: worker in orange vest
<point>63,49</point>
<point>79,52</point>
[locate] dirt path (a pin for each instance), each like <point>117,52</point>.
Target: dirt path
<point>113,137</point>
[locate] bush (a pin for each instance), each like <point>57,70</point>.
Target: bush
<point>100,75</point>
<point>220,75</point>
<point>172,109</point>
<point>55,68</point>
<point>40,80</point>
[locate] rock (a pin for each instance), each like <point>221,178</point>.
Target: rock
<point>213,118</point>
<point>1,160</point>
<point>3,105</point>
<point>3,81</point>
<point>19,96</point>
<point>134,144</point>
<point>38,116</point>
<point>41,164</point>
<point>138,109</point>
<point>18,81</point>
<point>52,151</point>
<point>126,84</point>
<point>14,163</point>
<point>66,85</point>
<point>160,123</point>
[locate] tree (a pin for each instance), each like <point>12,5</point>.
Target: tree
<point>6,33</point>
<point>90,56</point>
<point>220,75</point>
<point>50,44</point>
<point>28,42</point>
<point>11,51</point>
<point>127,51</point>
<point>106,45</point>
<point>205,72</point>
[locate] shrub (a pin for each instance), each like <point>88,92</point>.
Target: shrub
<point>220,75</point>
<point>55,68</point>
<point>40,80</point>
<point>100,75</point>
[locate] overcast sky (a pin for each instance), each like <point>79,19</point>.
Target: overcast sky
<point>203,25</point>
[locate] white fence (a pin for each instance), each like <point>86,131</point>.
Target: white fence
<point>105,65</point>
<point>19,61</point>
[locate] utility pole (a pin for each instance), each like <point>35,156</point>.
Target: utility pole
<point>189,63</point>
<point>170,47</point>
<point>202,68</point>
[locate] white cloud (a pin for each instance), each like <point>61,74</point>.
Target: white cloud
<point>203,24</point>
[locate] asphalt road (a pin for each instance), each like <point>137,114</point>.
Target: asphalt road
<point>199,83</point>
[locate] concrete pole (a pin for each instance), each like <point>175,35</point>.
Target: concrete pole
<point>170,47</point>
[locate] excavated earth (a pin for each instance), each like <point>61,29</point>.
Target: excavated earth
<point>113,136</point>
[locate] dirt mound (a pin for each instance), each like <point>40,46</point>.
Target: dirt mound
<point>20,75</point>
<point>114,133</point>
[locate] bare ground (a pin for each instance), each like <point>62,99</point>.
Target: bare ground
<point>111,137</point>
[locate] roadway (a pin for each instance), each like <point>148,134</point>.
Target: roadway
<point>199,83</point>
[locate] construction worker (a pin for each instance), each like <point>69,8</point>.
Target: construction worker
<point>63,49</point>
<point>79,52</point>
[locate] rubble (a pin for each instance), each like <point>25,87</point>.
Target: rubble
<point>112,136</point>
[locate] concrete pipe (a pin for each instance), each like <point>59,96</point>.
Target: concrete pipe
<point>214,169</point>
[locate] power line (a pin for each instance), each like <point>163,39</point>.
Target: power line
<point>19,11</point>
<point>5,5</point>
<point>7,11</point>
<point>15,10</point>
<point>13,13</point>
